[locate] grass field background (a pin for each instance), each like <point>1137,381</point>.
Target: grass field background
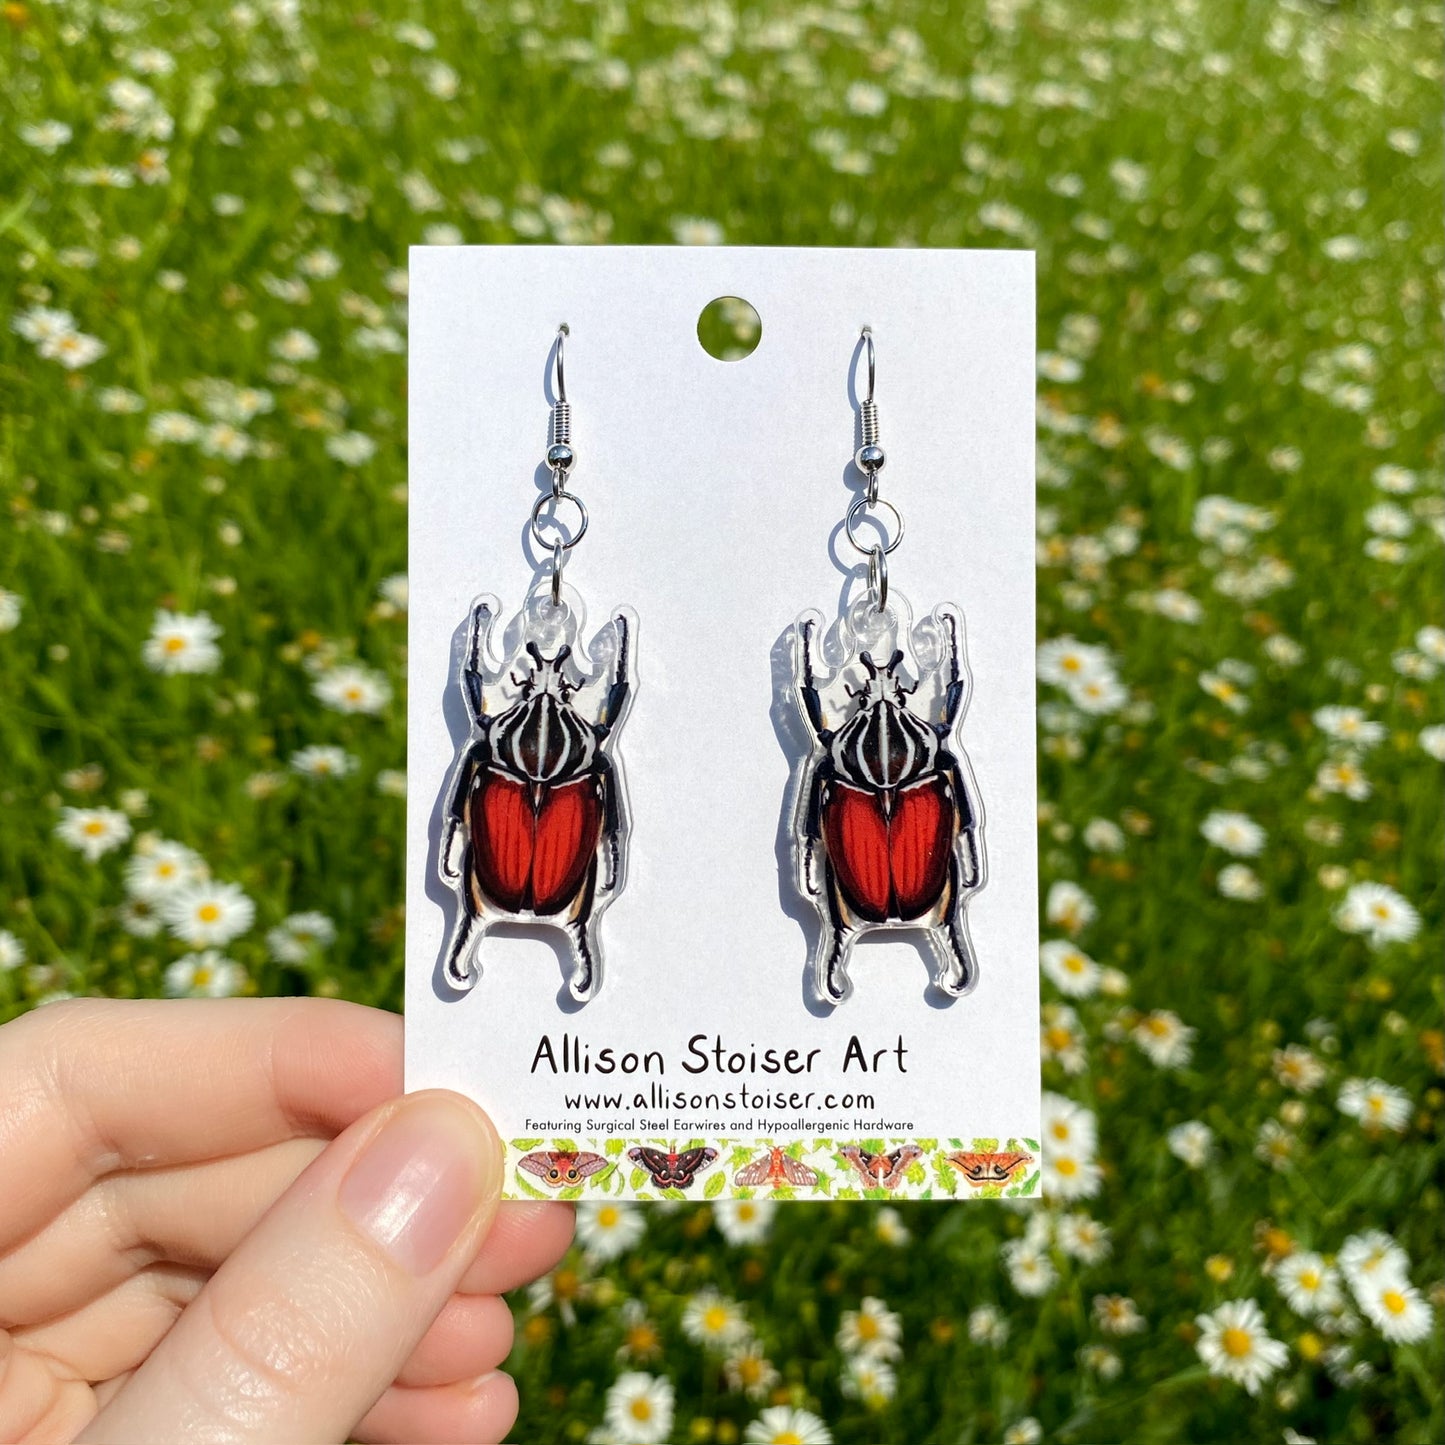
<point>204,216</point>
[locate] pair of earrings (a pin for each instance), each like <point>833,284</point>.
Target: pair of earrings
<point>887,823</point>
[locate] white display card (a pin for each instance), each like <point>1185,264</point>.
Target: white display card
<point>704,1064</point>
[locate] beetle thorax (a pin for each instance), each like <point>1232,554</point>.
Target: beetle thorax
<point>542,737</point>
<point>883,745</point>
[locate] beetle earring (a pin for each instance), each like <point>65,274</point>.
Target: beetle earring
<point>537,825</point>
<point>888,826</point>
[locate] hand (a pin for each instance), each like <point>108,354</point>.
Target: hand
<point>218,1222</point>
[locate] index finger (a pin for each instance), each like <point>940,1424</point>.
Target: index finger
<point>92,1086</point>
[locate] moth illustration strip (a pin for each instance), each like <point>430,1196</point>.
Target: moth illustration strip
<point>733,1168</point>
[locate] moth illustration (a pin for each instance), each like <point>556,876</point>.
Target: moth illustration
<point>778,1169</point>
<point>993,1168</point>
<point>881,1171</point>
<point>673,1171</point>
<point>558,1169</point>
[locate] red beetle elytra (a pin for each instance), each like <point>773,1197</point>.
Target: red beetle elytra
<point>537,798</point>
<point>887,805</point>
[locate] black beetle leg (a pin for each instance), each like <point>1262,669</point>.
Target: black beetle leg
<point>956,969</point>
<point>955,688</point>
<point>835,948</point>
<point>474,672</point>
<point>619,695</point>
<point>581,929</point>
<point>471,927</point>
<point>806,682</point>
<point>613,825</point>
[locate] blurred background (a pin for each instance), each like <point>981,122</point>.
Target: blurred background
<point>204,216</point>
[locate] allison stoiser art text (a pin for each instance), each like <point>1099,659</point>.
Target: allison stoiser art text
<point>711,1054</point>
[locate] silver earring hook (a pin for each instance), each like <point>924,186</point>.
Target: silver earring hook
<point>562,331</point>
<point>867,335</point>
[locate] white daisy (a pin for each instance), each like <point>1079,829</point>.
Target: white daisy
<point>208,914</point>
<point>1240,882</point>
<point>12,951</point>
<point>1062,660</point>
<point>1103,836</point>
<point>888,1225</point>
<point>391,782</point>
<point>1297,1068</point>
<point>744,1221</point>
<point>173,426</point>
<point>1097,695</point>
<point>1165,1038</point>
<point>158,867</point>
<point>298,936</point>
<point>395,590</point>
<point>1367,1259</point>
<point>10,607</point>
<point>46,136</point>
<point>204,975</point>
<point>1027,1431</point>
<point>322,762</point>
<point>1083,1238</point>
<point>696,231</point>
<point>606,1231</point>
<point>870,1380</point>
<point>1274,1145</point>
<point>1030,1270</point>
<point>1068,1125</point>
<point>351,447</point>
<point>1069,968</point>
<point>1343,775</point>
<point>872,1329</point>
<point>1376,1104</point>
<point>295,345</point>
<point>750,1372</point>
<point>1395,1308</point>
<point>1061,1038</point>
<point>1191,1142</point>
<point>710,1319</point>
<point>1236,833</point>
<point>787,1425</point>
<point>93,831</point>
<point>639,1409</point>
<point>1069,1174</point>
<point>42,323</point>
<point>1069,907</point>
<point>1308,1284</point>
<point>1432,738</point>
<point>1377,911</point>
<point>1349,725</point>
<point>353,689</point>
<point>1234,1343</point>
<point>1431,641</point>
<point>72,350</point>
<point>1117,1314</point>
<point>181,643</point>
<point>987,1325</point>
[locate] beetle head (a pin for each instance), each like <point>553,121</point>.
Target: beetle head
<point>546,677</point>
<point>882,683</point>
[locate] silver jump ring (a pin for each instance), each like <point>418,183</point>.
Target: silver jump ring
<point>878,577</point>
<point>855,514</point>
<point>559,553</point>
<point>548,498</point>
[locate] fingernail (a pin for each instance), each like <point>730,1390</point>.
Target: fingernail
<point>419,1183</point>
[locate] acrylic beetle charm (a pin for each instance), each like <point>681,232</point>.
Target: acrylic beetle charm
<point>536,824</point>
<point>888,828</point>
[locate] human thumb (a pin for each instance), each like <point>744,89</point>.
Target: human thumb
<point>300,1331</point>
